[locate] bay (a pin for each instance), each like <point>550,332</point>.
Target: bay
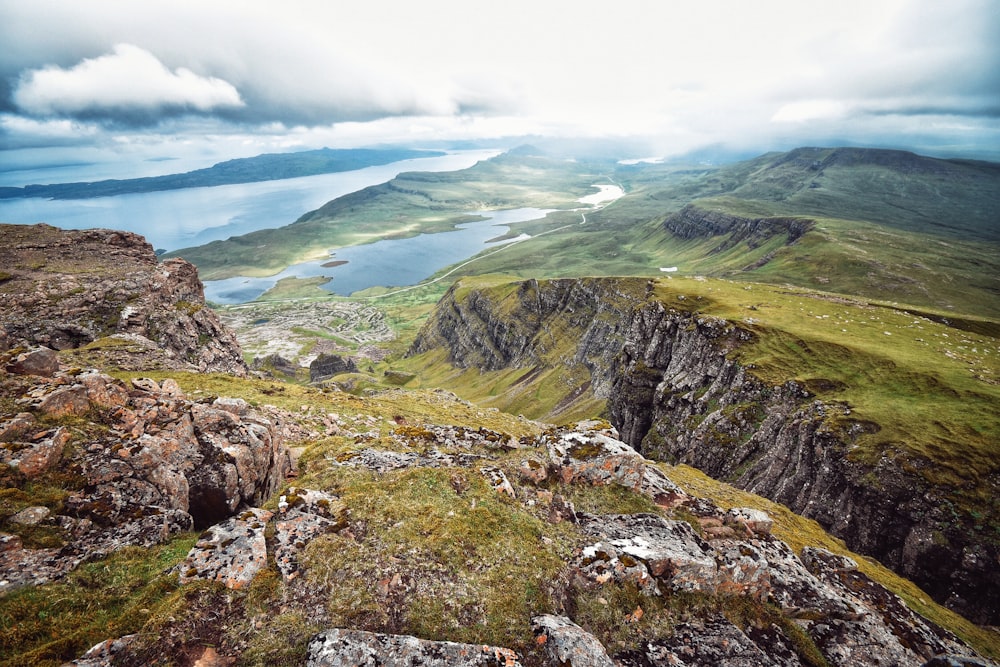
<point>176,219</point>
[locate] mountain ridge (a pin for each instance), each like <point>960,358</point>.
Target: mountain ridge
<point>265,167</point>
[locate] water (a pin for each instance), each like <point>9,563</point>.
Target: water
<point>177,219</point>
<point>392,262</point>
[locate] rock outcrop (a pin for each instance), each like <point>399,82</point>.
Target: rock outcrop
<point>67,289</point>
<point>326,365</point>
<point>693,222</point>
<point>673,391</point>
<point>139,463</point>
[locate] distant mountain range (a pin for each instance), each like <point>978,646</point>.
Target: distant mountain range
<point>267,167</point>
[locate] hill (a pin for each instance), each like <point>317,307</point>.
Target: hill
<point>883,224</point>
<point>267,167</point>
<point>887,225</point>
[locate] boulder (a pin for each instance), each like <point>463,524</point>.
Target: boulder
<point>670,550</point>
<point>38,361</point>
<point>231,552</point>
<point>567,644</point>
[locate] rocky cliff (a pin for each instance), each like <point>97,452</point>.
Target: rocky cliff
<point>693,222</point>
<point>673,390</point>
<point>71,289</point>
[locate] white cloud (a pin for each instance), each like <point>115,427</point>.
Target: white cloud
<point>807,110</point>
<point>127,79</point>
<point>689,72</point>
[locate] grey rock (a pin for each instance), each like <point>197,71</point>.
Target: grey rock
<point>303,515</point>
<point>31,516</point>
<point>353,648</point>
<point>670,550</point>
<point>231,552</point>
<point>714,642</point>
<point>327,365</point>
<point>567,644</point>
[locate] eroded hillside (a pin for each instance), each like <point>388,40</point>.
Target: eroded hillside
<point>817,401</point>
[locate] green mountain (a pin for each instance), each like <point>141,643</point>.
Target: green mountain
<point>887,225</point>
<point>267,167</point>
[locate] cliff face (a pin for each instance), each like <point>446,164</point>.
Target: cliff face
<point>67,289</point>
<point>692,222</point>
<point>674,394</point>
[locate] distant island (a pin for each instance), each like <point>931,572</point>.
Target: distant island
<point>267,167</point>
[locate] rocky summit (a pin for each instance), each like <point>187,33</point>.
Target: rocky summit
<point>105,290</point>
<point>161,506</point>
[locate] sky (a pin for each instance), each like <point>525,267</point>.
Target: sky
<point>148,83</point>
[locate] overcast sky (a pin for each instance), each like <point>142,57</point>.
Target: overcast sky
<point>80,80</point>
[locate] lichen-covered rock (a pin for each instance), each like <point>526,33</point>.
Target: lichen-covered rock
<point>757,521</point>
<point>596,459</point>
<point>105,653</point>
<point>42,453</point>
<point>231,552</point>
<point>602,562</point>
<point>567,644</point>
<point>670,550</point>
<point>586,453</point>
<point>713,642</point>
<point>498,480</point>
<point>303,515</point>
<point>356,648</point>
<point>153,465</point>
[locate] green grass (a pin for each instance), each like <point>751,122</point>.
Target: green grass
<point>887,363</point>
<point>54,623</point>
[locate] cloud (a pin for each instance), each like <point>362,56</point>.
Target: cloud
<point>128,81</point>
<point>688,72</point>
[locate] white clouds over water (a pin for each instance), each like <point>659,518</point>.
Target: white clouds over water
<point>913,73</point>
<point>127,80</point>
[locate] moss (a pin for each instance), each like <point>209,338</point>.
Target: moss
<point>188,308</point>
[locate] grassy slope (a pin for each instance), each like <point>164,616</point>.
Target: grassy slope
<point>896,227</point>
<point>888,364</point>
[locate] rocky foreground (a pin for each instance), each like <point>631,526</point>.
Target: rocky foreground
<point>164,464</point>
